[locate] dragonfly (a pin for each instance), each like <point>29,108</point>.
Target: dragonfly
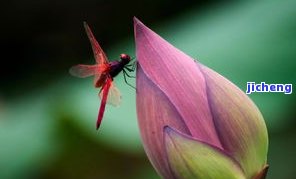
<point>104,72</point>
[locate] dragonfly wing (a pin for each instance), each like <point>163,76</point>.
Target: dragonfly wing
<point>99,54</point>
<point>104,92</point>
<point>83,71</point>
<point>101,77</point>
<point>99,80</point>
<point>114,96</point>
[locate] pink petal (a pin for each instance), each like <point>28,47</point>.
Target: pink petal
<point>176,75</point>
<point>238,121</point>
<point>154,112</point>
<point>174,90</point>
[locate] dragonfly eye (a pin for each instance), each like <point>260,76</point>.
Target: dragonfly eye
<point>124,57</point>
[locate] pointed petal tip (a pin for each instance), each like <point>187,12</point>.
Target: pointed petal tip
<point>138,26</point>
<point>85,25</point>
<point>136,20</point>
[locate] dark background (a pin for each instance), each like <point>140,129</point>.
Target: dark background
<point>40,39</point>
<point>47,117</point>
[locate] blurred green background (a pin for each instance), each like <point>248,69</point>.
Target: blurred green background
<point>47,117</point>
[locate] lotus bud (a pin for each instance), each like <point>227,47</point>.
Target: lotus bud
<point>194,123</point>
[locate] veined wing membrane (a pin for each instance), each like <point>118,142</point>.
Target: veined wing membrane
<point>99,54</point>
<point>114,96</point>
<point>83,71</point>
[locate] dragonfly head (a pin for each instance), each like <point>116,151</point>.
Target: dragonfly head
<point>125,58</point>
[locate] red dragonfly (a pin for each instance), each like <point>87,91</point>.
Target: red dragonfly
<point>104,72</point>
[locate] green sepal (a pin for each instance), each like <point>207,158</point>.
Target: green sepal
<point>193,159</point>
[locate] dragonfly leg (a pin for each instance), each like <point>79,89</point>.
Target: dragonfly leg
<point>128,75</point>
<point>124,76</point>
<point>133,67</point>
